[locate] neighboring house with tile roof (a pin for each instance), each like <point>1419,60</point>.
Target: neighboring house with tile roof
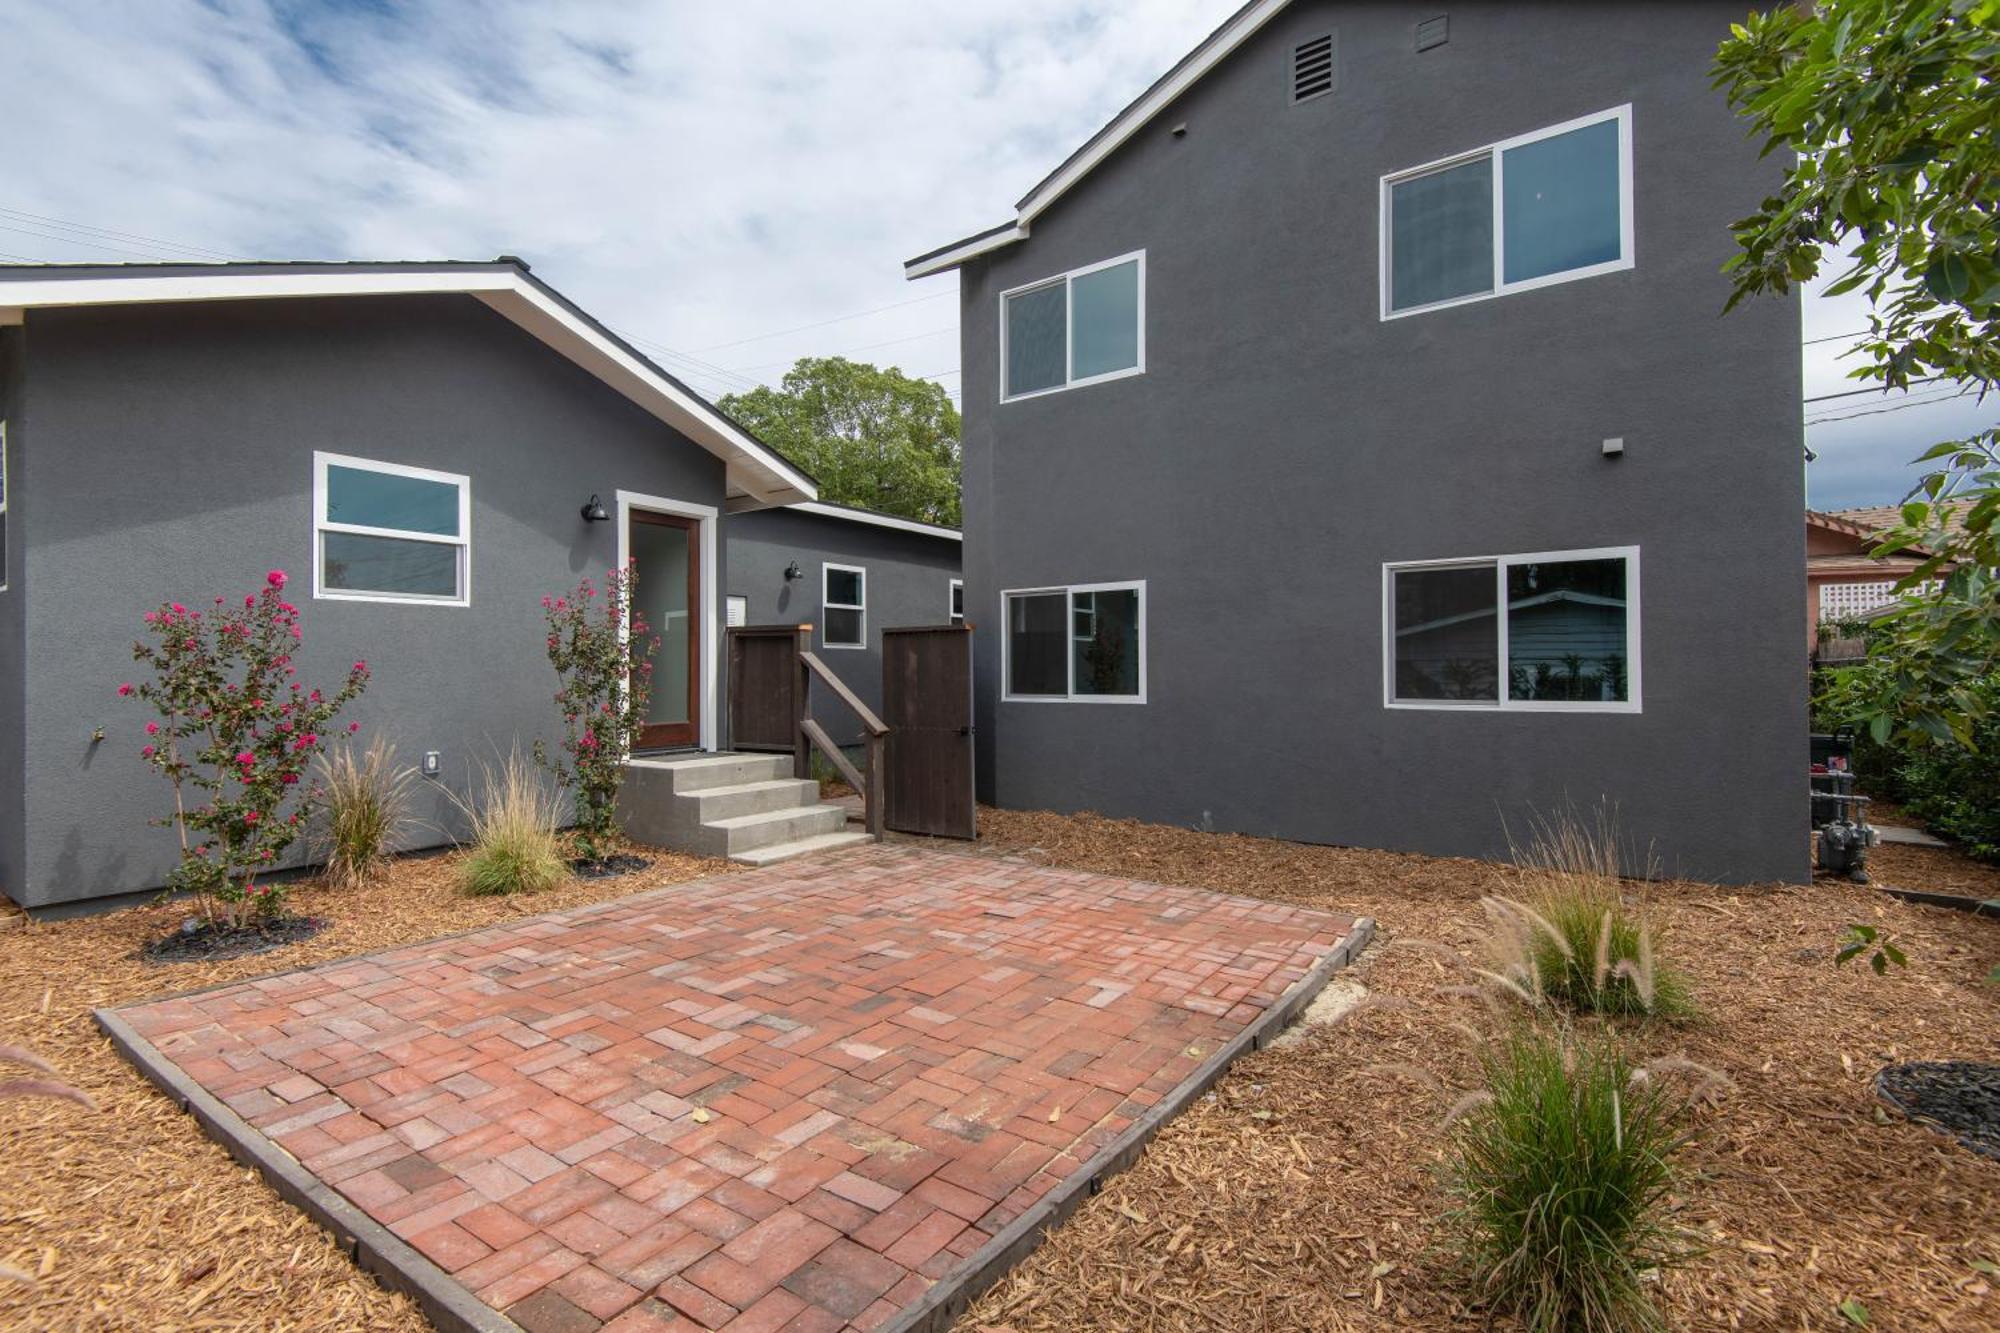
<point>1844,579</point>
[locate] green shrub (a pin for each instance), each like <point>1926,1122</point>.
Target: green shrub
<point>1561,1170</point>
<point>1954,789</point>
<point>366,805</point>
<point>516,845</point>
<point>1574,939</point>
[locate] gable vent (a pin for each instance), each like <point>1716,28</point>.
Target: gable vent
<point>1433,32</point>
<point>1312,67</point>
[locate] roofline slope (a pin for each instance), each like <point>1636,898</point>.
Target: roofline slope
<point>505,285</point>
<point>1237,29</point>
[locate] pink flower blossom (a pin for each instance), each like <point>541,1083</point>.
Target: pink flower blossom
<point>276,578</point>
<point>125,689</point>
<point>246,758</point>
<point>289,778</point>
<point>353,727</point>
<point>152,728</point>
<point>146,751</point>
<point>180,610</point>
<point>250,816</point>
<point>547,602</point>
<point>361,667</point>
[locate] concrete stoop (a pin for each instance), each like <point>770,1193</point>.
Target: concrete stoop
<point>747,807</point>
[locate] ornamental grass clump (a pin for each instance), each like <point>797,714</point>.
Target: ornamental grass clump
<point>1571,937</point>
<point>602,651</point>
<point>516,839</point>
<point>365,805</point>
<point>1561,1168</point>
<point>236,731</point>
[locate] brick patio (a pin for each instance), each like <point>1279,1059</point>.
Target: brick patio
<point>792,1098</point>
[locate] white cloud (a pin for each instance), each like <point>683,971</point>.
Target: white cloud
<point>694,173</point>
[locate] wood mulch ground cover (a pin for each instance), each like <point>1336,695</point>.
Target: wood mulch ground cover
<point>132,1217</point>
<point>1301,1196</point>
<point>1304,1193</point>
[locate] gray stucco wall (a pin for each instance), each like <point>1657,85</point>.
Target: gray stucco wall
<point>1284,442</point>
<point>13,619</point>
<point>909,583</point>
<point>179,442</point>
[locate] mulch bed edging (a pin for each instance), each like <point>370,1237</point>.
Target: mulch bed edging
<point>377,1250</point>
<point>951,1295</point>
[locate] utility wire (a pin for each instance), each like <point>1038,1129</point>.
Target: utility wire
<point>837,319</point>
<point>111,233</point>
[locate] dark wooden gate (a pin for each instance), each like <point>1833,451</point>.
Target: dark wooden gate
<point>927,704</point>
<point>763,673</point>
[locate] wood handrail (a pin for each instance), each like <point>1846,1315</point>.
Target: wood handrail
<point>870,723</point>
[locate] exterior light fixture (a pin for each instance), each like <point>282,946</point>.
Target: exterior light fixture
<point>593,510</point>
<point>793,572</point>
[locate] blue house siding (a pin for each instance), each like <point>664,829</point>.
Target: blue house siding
<point>1285,441</point>
<point>176,444</point>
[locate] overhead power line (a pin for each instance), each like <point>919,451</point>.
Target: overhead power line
<point>837,319</point>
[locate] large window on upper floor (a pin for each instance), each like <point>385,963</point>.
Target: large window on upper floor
<point>1076,328</point>
<point>1546,207</point>
<point>1555,631</point>
<point>387,532</point>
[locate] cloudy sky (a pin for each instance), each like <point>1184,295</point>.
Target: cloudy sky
<point>731,185</point>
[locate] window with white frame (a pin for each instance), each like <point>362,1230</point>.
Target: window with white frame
<point>1554,631</point>
<point>1085,642</point>
<point>1076,328</point>
<point>3,506</point>
<point>386,532</point>
<point>957,602</point>
<point>1546,207</point>
<point>843,606</point>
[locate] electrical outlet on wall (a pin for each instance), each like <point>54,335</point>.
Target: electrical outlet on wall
<point>433,763</point>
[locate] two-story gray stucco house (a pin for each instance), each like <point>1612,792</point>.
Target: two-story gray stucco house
<point>850,574</point>
<point>427,449</point>
<point>1354,452</point>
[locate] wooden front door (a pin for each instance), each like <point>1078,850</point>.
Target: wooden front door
<point>666,595</point>
<point>927,703</point>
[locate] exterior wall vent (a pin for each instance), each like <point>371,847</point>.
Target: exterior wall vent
<point>1312,68</point>
<point>1433,32</point>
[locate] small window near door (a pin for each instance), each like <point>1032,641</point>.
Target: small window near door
<point>386,532</point>
<point>957,613</point>
<point>737,611</point>
<point>1080,643</point>
<point>843,606</point>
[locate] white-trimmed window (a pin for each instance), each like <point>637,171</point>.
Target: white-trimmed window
<point>386,532</point>
<point>1080,327</point>
<point>1556,631</point>
<point>956,604</point>
<point>1541,208</point>
<point>3,506</point>
<point>843,605</point>
<point>1081,643</point>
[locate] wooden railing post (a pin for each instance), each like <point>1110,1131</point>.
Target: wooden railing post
<point>802,706</point>
<point>871,803</point>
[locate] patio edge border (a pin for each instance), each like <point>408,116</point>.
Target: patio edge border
<point>375,1249</point>
<point>950,1296</point>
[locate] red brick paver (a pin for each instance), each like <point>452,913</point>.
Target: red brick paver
<point>789,1098</point>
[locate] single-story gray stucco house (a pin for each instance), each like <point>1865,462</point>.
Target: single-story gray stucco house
<point>850,574</point>
<point>426,448</point>
<point>1329,411</point>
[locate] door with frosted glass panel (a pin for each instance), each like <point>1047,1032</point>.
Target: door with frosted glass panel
<point>665,596</point>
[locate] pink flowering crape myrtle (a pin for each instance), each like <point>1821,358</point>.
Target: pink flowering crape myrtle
<point>236,730</point>
<point>605,669</point>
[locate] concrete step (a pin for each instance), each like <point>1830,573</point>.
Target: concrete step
<point>751,798</point>
<point>785,851</point>
<point>700,772</point>
<point>744,833</point>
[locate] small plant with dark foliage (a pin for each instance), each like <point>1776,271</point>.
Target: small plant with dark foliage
<point>1881,950</point>
<point>1561,1168</point>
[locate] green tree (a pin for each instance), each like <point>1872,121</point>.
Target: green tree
<point>873,437</point>
<point>1891,109</point>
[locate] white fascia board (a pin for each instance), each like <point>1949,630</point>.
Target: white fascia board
<point>958,254</point>
<point>879,520</point>
<point>753,468</point>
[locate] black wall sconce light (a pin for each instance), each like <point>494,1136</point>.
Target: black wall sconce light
<point>593,510</point>
<point>793,573</point>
